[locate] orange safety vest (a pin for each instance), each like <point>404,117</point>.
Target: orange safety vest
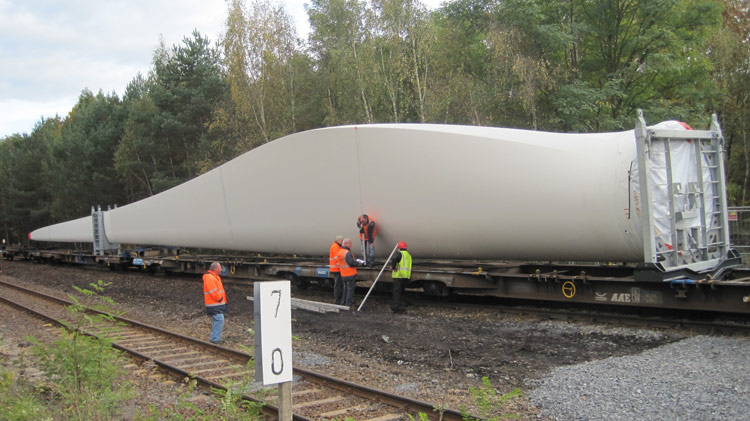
<point>367,228</point>
<point>213,290</point>
<point>333,257</point>
<point>346,270</point>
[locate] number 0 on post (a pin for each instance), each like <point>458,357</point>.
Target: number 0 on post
<point>273,332</point>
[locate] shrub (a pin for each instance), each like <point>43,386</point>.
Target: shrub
<point>488,402</point>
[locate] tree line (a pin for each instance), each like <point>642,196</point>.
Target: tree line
<point>555,65</point>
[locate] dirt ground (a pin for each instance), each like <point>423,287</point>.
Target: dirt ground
<point>435,351</point>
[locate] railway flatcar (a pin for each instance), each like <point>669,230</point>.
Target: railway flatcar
<point>653,198</point>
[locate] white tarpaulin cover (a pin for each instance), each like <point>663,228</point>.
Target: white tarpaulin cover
<point>682,161</point>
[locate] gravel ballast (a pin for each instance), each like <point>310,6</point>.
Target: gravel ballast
<point>699,378</point>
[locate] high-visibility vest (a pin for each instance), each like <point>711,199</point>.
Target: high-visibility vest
<point>367,230</point>
<point>346,270</point>
<point>403,270</point>
<point>333,259</point>
<point>213,290</point>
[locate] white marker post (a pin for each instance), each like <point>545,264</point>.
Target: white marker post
<point>273,340</point>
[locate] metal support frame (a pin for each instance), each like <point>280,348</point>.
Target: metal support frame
<point>101,244</point>
<point>692,249</point>
<point>717,141</point>
<point>671,192</point>
<point>643,148</point>
<point>701,200</point>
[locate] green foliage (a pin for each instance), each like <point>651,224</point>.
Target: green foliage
<point>231,407</point>
<point>234,407</point>
<point>25,180</point>
<point>609,58</point>
<point>84,374</point>
<point>341,40</point>
<point>267,75</point>
<point>420,416</point>
<point>165,138</point>
<point>731,71</point>
<point>19,401</point>
<point>85,379</point>
<point>184,409</point>
<point>488,402</point>
<point>232,404</point>
<point>132,162</point>
<point>83,157</point>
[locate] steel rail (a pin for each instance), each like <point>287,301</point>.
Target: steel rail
<point>387,398</point>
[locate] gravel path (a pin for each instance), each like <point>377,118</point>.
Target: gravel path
<point>699,378</point>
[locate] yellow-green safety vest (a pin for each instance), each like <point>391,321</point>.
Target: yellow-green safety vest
<point>403,270</point>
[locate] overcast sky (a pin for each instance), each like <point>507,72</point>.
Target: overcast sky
<point>50,50</point>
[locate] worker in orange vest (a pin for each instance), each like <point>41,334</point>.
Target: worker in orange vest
<point>348,266</point>
<point>367,232</point>
<point>333,269</point>
<point>216,300</point>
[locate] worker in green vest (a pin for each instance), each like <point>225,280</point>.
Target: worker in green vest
<point>401,276</point>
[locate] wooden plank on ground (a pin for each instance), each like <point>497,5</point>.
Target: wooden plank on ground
<point>315,306</point>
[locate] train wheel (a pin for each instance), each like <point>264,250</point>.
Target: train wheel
<point>302,283</point>
<point>325,283</point>
<point>298,281</point>
<point>435,289</point>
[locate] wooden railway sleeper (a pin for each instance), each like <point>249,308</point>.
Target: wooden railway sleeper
<point>182,357</point>
<point>297,393</point>
<point>343,411</point>
<point>388,417</point>
<point>318,402</point>
<point>238,376</point>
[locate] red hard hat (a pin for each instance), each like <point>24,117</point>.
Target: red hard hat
<point>401,244</point>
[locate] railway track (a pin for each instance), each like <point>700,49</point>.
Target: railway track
<point>315,395</point>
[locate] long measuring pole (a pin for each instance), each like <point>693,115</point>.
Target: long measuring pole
<point>376,279</point>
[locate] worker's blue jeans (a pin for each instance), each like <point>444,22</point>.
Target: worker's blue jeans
<point>370,253</point>
<point>216,326</point>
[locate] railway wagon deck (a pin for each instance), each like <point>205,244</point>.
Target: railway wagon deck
<point>726,289</point>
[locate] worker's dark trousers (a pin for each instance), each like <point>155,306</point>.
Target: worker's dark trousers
<point>397,302</point>
<point>338,288</point>
<point>349,284</point>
